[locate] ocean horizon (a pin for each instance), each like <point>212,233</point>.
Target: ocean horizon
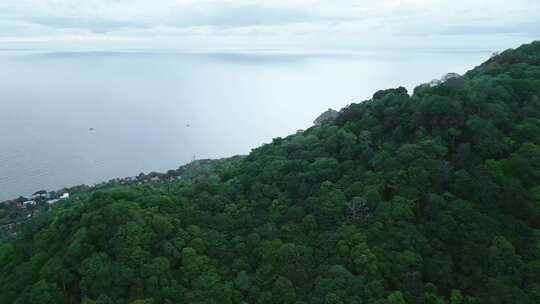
<point>83,117</point>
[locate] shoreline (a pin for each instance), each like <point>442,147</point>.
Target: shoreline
<point>183,172</point>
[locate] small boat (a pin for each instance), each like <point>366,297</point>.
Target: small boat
<point>91,129</point>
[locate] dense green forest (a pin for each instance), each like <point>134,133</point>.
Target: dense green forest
<point>429,197</point>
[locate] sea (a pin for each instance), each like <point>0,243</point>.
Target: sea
<point>69,118</point>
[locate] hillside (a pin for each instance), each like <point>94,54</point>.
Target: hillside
<point>429,197</point>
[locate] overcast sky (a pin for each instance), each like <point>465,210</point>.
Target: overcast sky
<point>264,25</point>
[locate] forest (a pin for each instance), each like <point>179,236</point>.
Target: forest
<point>430,196</point>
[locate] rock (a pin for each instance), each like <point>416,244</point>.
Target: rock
<point>397,91</point>
<point>434,82</point>
<point>449,76</point>
<point>445,78</point>
<point>328,116</point>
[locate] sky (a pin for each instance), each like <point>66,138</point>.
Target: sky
<point>267,26</point>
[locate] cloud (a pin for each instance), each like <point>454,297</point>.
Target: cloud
<point>99,17</point>
<point>266,24</point>
<point>90,25</point>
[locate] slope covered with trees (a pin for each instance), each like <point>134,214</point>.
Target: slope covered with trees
<point>432,197</point>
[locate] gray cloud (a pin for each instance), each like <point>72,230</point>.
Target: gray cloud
<point>225,15</point>
<point>526,28</point>
<point>91,25</point>
<point>265,24</point>
<point>233,15</point>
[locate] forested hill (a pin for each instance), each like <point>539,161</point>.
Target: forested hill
<point>432,197</point>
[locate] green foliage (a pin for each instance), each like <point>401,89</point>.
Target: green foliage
<point>429,198</point>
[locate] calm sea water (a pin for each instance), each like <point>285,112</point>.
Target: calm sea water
<point>155,111</point>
